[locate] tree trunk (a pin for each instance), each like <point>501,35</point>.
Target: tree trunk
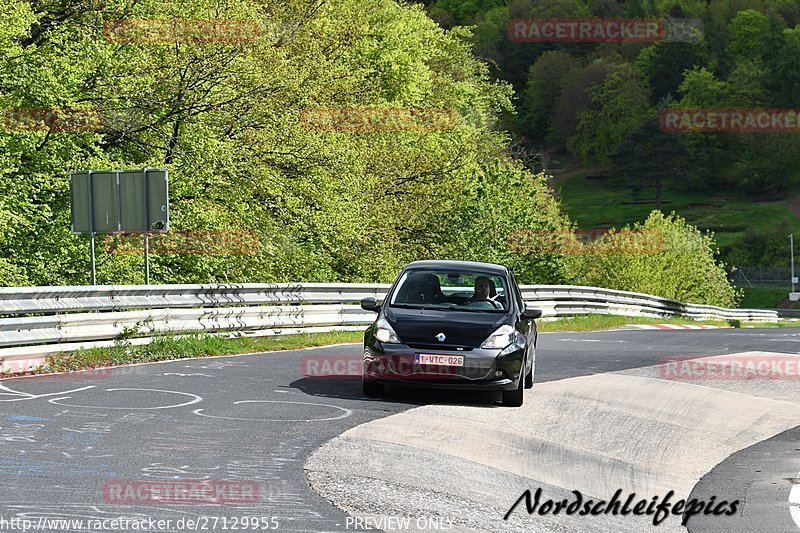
<point>658,193</point>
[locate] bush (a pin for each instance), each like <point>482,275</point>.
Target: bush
<point>503,199</point>
<point>11,275</point>
<point>665,256</point>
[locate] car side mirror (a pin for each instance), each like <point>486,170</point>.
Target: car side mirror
<point>370,304</point>
<point>531,313</point>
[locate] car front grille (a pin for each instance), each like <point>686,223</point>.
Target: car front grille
<point>454,348</point>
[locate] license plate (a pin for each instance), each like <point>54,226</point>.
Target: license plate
<point>438,359</point>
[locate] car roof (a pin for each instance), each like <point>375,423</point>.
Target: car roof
<point>458,265</point>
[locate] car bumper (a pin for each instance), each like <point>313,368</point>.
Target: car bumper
<point>395,364</point>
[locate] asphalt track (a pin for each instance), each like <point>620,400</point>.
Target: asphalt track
<point>255,418</point>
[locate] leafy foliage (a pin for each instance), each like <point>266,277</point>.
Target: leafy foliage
<point>650,158</point>
<point>664,256</point>
<point>225,118</point>
<point>572,95</point>
<point>619,107</point>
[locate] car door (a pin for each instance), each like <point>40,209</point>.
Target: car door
<point>525,326</point>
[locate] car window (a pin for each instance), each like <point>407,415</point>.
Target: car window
<point>457,290</point>
<point>518,292</point>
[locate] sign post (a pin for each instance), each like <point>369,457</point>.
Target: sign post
<point>791,252</point>
<point>793,296</point>
<point>120,201</point>
<point>146,258</point>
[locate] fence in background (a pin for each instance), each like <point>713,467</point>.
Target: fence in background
<point>758,276</point>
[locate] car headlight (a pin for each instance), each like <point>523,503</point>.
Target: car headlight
<point>502,337</point>
<point>385,333</point>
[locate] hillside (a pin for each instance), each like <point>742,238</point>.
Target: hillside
<point>675,117</point>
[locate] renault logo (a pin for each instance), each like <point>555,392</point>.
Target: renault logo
<point>440,337</point>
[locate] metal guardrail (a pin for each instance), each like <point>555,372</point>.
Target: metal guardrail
<point>18,300</point>
<point>46,320</point>
<point>566,300</point>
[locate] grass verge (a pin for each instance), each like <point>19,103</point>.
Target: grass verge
<point>168,348</point>
<point>763,298</point>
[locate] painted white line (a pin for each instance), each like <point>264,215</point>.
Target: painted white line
<point>671,327</point>
<point>346,412</point>
<point>327,346</point>
<point>593,340</point>
<point>195,400</point>
<point>29,396</point>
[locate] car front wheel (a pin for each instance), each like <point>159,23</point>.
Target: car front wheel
<point>529,376</point>
<point>513,398</point>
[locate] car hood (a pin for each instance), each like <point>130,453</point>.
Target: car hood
<point>461,329</point>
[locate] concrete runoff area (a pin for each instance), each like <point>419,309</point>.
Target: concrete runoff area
<point>629,430</point>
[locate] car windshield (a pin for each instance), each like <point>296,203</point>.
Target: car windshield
<point>455,290</point>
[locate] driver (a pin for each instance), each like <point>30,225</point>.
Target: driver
<point>482,297</point>
<point>482,289</point>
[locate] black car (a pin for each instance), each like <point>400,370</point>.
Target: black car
<point>452,324</point>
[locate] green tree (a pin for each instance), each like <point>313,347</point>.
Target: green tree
<point>619,106</point>
<point>545,81</point>
<point>650,158</point>
<point>574,98</point>
<point>663,64</point>
<point>225,118</point>
<point>711,153</point>
<point>502,202</point>
<point>460,12</point>
<point>750,35</point>
<point>787,68</point>
<point>747,84</point>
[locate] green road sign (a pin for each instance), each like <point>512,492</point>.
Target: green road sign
<point>110,201</point>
